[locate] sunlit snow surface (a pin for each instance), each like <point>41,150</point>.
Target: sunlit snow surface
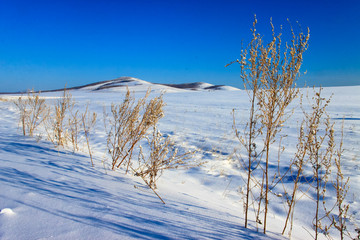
<point>49,193</point>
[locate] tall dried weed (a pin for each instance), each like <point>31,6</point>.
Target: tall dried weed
<point>57,126</point>
<point>269,73</point>
<point>88,121</point>
<point>33,111</point>
<point>161,156</point>
<point>128,123</point>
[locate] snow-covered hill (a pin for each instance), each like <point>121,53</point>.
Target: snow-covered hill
<point>135,84</point>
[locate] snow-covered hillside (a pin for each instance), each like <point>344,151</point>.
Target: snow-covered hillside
<point>50,193</point>
<point>135,84</point>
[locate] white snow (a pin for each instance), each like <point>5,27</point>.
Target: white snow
<point>138,85</point>
<point>7,211</point>
<point>50,193</point>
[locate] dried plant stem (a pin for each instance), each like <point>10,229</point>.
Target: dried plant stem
<point>270,71</point>
<point>154,191</point>
<point>318,156</point>
<point>298,164</point>
<point>88,122</point>
<point>250,74</point>
<point>162,156</point>
<point>73,125</point>
<point>128,126</point>
<point>341,186</point>
<point>57,128</point>
<point>261,198</point>
<point>33,112</point>
<point>150,186</point>
<point>281,70</point>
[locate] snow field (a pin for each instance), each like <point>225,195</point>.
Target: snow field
<point>50,193</point>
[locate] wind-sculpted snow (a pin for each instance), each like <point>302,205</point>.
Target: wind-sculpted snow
<point>56,194</point>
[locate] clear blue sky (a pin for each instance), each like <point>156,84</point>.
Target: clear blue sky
<point>47,44</point>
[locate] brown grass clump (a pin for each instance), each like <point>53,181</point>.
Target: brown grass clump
<point>57,126</point>
<point>63,125</point>
<point>3,99</point>
<point>128,124</point>
<point>33,112</point>
<point>163,155</point>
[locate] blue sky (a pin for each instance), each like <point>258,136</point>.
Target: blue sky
<point>47,44</point>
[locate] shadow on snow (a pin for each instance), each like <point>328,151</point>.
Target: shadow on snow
<point>104,201</point>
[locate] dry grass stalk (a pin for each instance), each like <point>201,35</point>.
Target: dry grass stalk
<point>320,131</point>
<point>250,74</point>
<point>3,99</point>
<point>73,129</point>
<point>296,167</point>
<point>316,147</point>
<point>88,121</point>
<point>269,73</point>
<point>128,124</point>
<point>281,70</point>
<point>33,112</point>
<point>57,129</point>
<point>253,156</point>
<point>341,186</point>
<point>305,151</point>
<point>162,155</point>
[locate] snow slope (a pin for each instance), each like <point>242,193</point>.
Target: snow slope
<point>49,193</point>
<point>135,84</point>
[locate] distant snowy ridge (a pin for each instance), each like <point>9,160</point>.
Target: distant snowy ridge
<point>201,86</point>
<point>135,84</point>
<point>117,84</point>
